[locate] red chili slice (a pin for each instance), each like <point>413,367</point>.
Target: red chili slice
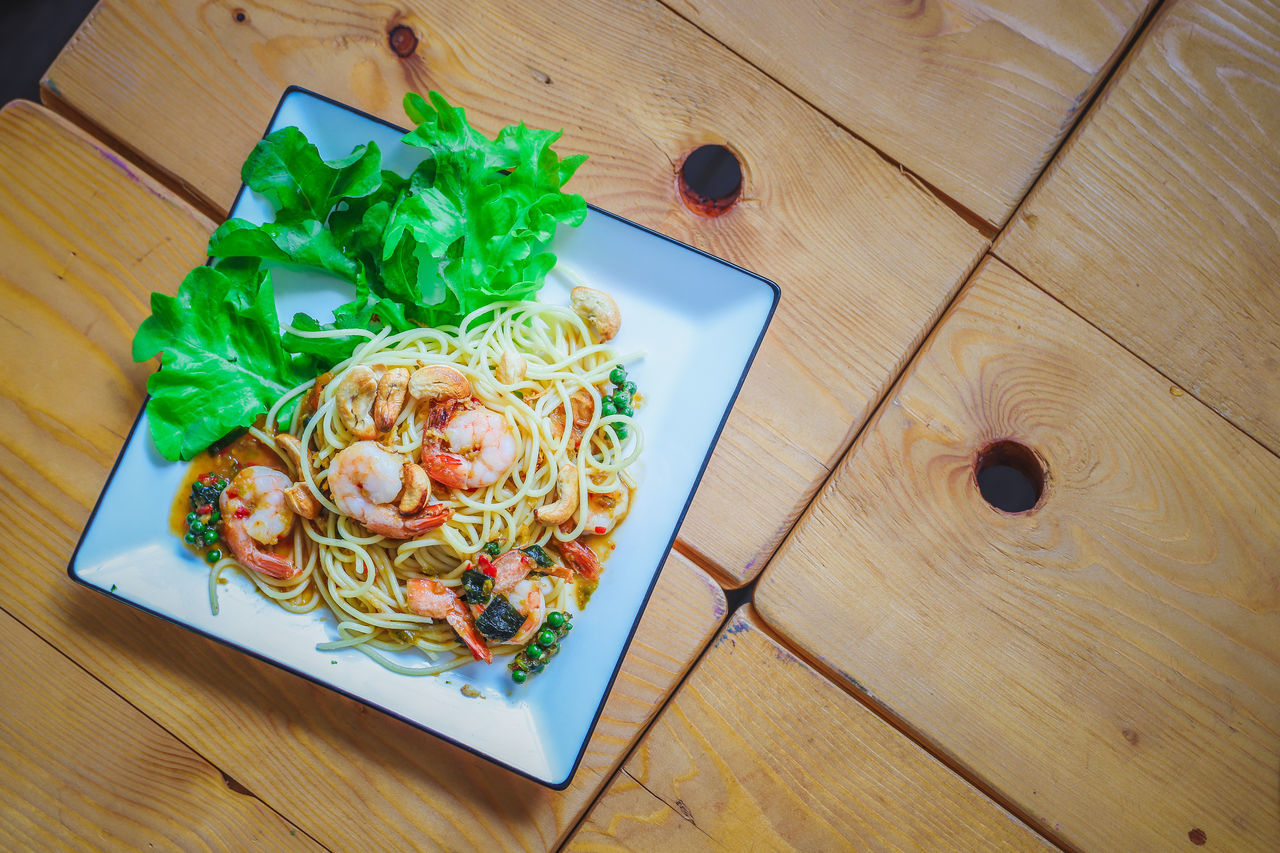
<point>600,531</point>
<point>485,566</point>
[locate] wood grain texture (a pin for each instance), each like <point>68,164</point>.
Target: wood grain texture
<point>974,97</point>
<point>350,777</point>
<point>66,786</point>
<point>759,751</point>
<point>866,258</point>
<point>1108,663</point>
<point>1160,221</point>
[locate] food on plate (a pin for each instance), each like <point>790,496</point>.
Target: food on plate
<point>443,464</point>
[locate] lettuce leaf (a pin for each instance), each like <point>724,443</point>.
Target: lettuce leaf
<point>223,363</point>
<point>470,226</point>
<point>303,243</point>
<point>289,171</point>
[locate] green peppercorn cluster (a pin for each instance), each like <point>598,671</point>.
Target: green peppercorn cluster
<point>204,518</point>
<point>619,400</point>
<point>533,658</point>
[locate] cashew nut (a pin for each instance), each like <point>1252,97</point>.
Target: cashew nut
<point>417,489</point>
<point>439,382</point>
<point>301,501</point>
<point>292,448</point>
<point>354,399</point>
<point>389,402</point>
<point>598,309</point>
<point>511,368</point>
<point>562,510</point>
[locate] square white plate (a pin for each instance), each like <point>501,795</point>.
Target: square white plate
<point>696,320</point>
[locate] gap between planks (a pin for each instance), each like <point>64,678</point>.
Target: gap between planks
<point>184,192</point>
<point>1157,371</point>
<point>860,694</point>
<point>231,782</point>
<point>745,593</point>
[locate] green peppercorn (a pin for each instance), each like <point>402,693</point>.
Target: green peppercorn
<point>621,399</point>
<point>629,387</point>
<point>190,538</point>
<point>213,556</point>
<point>618,375</point>
<point>547,637</point>
<point>555,619</point>
<point>619,430</point>
<point>626,410</point>
<point>210,536</point>
<point>492,548</point>
<point>192,518</point>
<point>519,676</point>
<point>568,626</point>
<point>535,652</point>
<point>214,518</point>
<point>607,407</point>
<point>197,527</point>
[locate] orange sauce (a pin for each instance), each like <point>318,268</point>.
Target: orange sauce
<point>225,461</point>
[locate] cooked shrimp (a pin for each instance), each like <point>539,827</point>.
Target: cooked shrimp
<point>605,509</point>
<point>255,513</point>
<point>365,479</point>
<point>577,556</point>
<point>466,445</point>
<point>583,410</point>
<point>535,610</point>
<point>431,598</point>
<point>511,568</point>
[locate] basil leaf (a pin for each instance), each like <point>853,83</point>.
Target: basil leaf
<point>499,621</point>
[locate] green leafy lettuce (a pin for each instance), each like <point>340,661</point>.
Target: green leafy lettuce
<point>468,227</point>
<point>223,360</point>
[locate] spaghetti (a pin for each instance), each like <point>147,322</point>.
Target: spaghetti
<point>528,459</point>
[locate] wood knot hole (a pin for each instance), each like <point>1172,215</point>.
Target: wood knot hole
<point>1010,476</point>
<point>402,41</point>
<point>1197,836</point>
<point>710,180</point>
<point>239,16</point>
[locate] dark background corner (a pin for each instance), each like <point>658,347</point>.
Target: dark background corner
<point>32,32</point>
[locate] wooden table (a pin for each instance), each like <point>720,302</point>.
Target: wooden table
<point>993,228</point>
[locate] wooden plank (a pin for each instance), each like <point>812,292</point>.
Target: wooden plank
<point>973,97</point>
<point>759,750</point>
<point>1109,662</point>
<point>84,239</point>
<point>1158,222</point>
<point>866,258</point>
<point>64,786</point>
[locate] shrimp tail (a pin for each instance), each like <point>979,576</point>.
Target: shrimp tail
<point>460,619</point>
<point>398,527</point>
<point>428,597</point>
<point>251,555</point>
<point>578,557</point>
<point>444,468</point>
<point>430,518</point>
